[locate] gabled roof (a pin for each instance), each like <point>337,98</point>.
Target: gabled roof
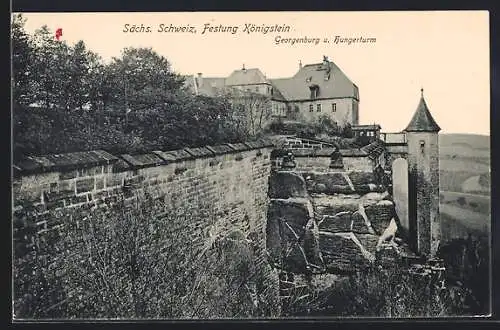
<point>422,120</point>
<point>210,86</point>
<point>205,86</point>
<point>246,77</point>
<point>298,87</point>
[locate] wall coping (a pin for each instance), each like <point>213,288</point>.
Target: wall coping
<point>324,152</point>
<point>83,159</point>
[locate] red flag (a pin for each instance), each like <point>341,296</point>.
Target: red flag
<point>58,33</point>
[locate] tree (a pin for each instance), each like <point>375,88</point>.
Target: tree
<point>51,78</point>
<point>142,79</point>
<point>22,58</point>
<point>253,110</point>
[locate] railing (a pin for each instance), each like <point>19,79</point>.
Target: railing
<point>399,138</point>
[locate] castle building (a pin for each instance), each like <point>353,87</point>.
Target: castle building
<point>423,180</point>
<point>315,90</point>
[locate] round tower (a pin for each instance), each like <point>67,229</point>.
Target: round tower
<point>423,179</point>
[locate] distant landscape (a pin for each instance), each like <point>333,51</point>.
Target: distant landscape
<point>465,181</point>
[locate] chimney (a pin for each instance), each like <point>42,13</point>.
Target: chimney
<point>243,67</point>
<point>199,79</point>
<point>300,64</point>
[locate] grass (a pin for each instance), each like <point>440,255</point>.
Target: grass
<point>469,202</point>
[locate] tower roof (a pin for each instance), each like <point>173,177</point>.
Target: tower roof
<point>422,120</point>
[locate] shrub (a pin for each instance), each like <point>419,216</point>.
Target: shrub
<point>43,131</point>
<point>137,261</point>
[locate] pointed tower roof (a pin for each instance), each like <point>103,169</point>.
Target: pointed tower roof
<point>422,120</point>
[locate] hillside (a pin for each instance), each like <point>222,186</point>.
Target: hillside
<point>465,184</point>
<point>465,163</point>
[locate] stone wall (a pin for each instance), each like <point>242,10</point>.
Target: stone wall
<point>330,219</point>
<point>319,160</point>
<point>423,161</point>
<point>224,186</point>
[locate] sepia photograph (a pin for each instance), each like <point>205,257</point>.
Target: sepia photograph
<point>250,165</point>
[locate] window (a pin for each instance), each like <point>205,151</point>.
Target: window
<point>257,88</point>
<point>311,108</point>
<point>318,107</point>
<point>334,107</point>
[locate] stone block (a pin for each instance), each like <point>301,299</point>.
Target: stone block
<point>57,195</point>
<point>133,180</point>
<point>380,215</point>
<point>142,160</point>
<point>336,223</point>
<point>220,149</point>
<point>121,166</point>
<point>199,152</point>
<point>327,179</point>
<point>55,204</point>
<point>342,254</point>
<point>84,185</point>
<point>113,180</point>
<point>284,184</point>
<point>254,144</point>
<point>360,178</point>
<point>238,146</point>
<point>168,157</point>
<point>359,225</point>
<point>71,174</point>
<point>78,199</point>
<point>291,233</point>
<point>99,183</point>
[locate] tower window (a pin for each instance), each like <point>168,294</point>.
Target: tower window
<point>334,107</point>
<point>311,108</point>
<point>318,107</point>
<point>422,146</point>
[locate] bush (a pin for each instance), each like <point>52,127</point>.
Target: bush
<point>43,131</point>
<point>389,292</point>
<point>136,261</point>
<point>468,267</point>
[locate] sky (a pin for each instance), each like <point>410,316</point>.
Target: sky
<point>444,52</point>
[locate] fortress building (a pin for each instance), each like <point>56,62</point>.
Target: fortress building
<point>316,90</point>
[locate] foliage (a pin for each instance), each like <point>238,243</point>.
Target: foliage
<point>133,261</point>
<point>22,56</point>
<point>383,292</point>
<point>67,99</point>
<point>468,268</point>
<point>252,111</point>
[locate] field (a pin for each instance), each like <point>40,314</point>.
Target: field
<point>464,185</point>
<point>464,161</point>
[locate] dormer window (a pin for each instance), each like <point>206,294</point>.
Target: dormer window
<point>314,91</point>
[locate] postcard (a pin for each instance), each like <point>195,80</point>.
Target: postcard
<point>250,165</point>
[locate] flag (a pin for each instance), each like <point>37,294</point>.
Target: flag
<point>59,33</point>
